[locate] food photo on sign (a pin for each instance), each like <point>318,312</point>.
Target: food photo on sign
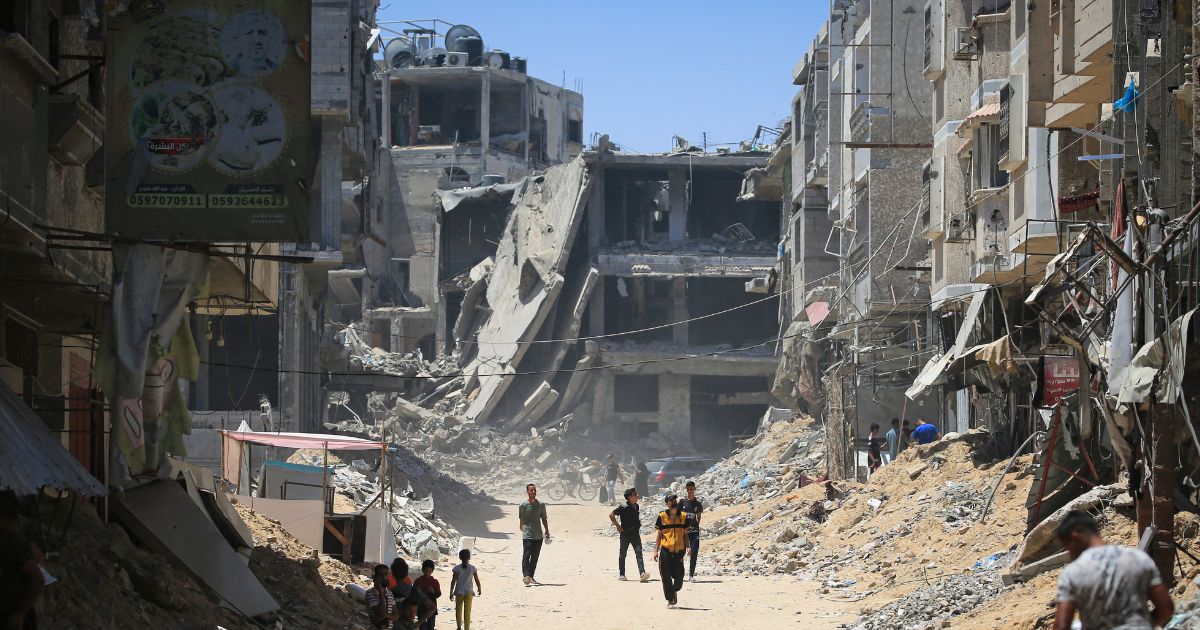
<point>215,99</point>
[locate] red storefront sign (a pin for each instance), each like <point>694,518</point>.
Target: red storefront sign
<point>1060,377</point>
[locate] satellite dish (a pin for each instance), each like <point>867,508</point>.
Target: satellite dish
<point>433,57</point>
<point>455,32</point>
<point>398,53</point>
<point>497,59</point>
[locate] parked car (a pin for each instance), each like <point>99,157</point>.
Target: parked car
<point>665,471</point>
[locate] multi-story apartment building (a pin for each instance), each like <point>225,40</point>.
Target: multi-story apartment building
<point>860,140</point>
<point>1004,182</point>
<point>672,243</point>
<point>458,116</point>
<point>348,226</point>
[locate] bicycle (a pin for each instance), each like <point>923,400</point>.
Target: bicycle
<point>579,487</point>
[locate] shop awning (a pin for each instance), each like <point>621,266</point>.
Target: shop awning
<point>31,458</point>
<point>988,112</point>
<point>937,366</point>
<point>319,441</point>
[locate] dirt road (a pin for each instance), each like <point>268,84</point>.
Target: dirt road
<point>580,587</point>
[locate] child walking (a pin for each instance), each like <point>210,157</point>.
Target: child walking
<point>461,591</point>
<point>432,589</point>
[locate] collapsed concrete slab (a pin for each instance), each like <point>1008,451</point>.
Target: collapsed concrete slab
<point>537,404</point>
<point>167,520</point>
<point>526,279</point>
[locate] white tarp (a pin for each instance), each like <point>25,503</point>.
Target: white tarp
<point>452,198</point>
<point>381,538</point>
<point>1151,360</point>
<point>303,519</point>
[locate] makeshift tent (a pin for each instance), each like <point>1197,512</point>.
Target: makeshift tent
<point>341,527</point>
<point>31,458</point>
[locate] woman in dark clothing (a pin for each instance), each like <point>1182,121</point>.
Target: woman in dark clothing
<point>640,478</point>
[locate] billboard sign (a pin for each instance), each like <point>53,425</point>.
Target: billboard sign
<point>208,121</point>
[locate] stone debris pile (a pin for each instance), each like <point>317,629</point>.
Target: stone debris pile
<point>951,596</point>
<point>783,456</point>
<point>420,533</point>
<point>916,521</point>
<point>362,356</point>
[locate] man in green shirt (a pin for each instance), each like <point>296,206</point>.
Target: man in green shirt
<point>893,437</point>
<point>532,515</point>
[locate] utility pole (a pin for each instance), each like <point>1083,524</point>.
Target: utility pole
<point>1149,48</point>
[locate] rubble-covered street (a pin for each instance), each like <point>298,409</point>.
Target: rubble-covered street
<point>882,310</point>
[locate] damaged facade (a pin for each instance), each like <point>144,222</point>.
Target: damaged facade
<point>458,137</point>
<point>1042,157</point>
<point>600,307</point>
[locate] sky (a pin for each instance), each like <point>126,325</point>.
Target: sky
<point>650,69</point>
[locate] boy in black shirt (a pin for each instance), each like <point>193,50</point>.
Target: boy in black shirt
<point>629,527</point>
<point>693,508</point>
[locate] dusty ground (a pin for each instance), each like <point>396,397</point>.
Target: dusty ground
<point>580,586</point>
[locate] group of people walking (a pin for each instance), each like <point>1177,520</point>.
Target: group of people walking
<point>398,602</point>
<point>677,536</point>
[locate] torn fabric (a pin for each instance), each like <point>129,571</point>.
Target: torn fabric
<point>144,351</point>
<point>999,357</point>
<point>1149,363</point>
<point>452,198</point>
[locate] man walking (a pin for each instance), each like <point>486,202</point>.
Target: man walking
<point>925,433</point>
<point>534,528</point>
<point>612,476</point>
<point>1107,585</point>
<point>893,441</point>
<point>670,544</point>
<point>692,509</point>
<point>629,527</point>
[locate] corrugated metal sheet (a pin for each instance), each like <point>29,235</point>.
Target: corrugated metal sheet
<point>31,458</point>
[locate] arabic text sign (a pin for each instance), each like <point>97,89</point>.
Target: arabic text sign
<point>208,121</point>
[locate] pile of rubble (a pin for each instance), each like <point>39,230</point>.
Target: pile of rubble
<point>420,533</point>
<point>107,581</point>
<point>951,596</point>
<point>784,455</point>
<point>913,528</point>
<point>364,357</point>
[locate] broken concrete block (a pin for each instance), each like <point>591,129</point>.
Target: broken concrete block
<point>915,471</point>
<point>543,457</point>
<point>525,452</point>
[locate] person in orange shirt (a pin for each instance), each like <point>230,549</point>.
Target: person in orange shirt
<point>671,545</point>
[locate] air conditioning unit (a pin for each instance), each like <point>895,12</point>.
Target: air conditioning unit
<point>456,59</point>
<point>935,30</point>
<point>965,48</point>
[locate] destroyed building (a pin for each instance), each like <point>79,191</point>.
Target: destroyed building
<point>630,263</point>
<point>463,125</point>
<point>672,243</point>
